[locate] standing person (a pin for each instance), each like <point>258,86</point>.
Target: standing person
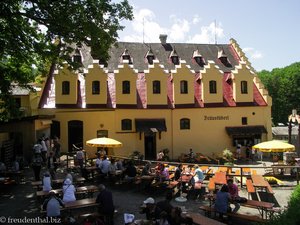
<point>191,156</point>
<point>248,152</point>
<point>198,175</point>
<point>238,151</point>
<point>52,205</point>
<point>47,182</point>
<point>52,165</point>
<point>37,162</point>
<point>44,149</point>
<point>160,156</point>
<point>68,191</point>
<point>234,194</point>
<point>106,205</point>
<point>222,201</point>
<point>56,148</point>
<point>80,157</point>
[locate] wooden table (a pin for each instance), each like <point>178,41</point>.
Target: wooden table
<point>79,190</point>
<point>59,181</point>
<point>259,181</point>
<point>220,178</point>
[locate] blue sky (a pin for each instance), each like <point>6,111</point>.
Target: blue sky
<point>267,30</point>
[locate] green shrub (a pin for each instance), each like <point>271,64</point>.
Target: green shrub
<point>290,216</point>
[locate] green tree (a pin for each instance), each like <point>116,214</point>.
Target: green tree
<point>36,34</point>
<point>283,85</point>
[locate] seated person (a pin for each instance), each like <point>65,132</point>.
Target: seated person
<point>104,165</point>
<point>234,194</point>
<point>68,191</point>
<point>148,208</point>
<point>146,170</point>
<point>68,176</point>
<point>52,205</point>
<point>222,201</point>
<point>130,172</point>
<point>178,172</point>
<point>164,205</point>
<point>98,160</point>
<point>47,182</point>
<point>164,173</point>
<point>112,167</point>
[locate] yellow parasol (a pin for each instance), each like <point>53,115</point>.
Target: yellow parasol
<point>104,142</point>
<point>274,146</point>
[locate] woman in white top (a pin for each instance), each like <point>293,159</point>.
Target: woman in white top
<point>69,191</point>
<point>47,182</point>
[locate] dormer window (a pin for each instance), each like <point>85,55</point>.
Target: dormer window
<point>77,56</point>
<point>198,58</point>
<point>223,58</point>
<point>174,57</point>
<point>126,56</point>
<point>150,56</point>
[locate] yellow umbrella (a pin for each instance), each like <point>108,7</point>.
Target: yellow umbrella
<point>104,142</point>
<point>274,146</point>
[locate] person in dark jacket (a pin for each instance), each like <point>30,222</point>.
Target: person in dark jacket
<point>106,205</point>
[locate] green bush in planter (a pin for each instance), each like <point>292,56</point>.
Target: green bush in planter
<point>290,216</point>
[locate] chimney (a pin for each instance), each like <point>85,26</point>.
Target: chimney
<point>163,39</point>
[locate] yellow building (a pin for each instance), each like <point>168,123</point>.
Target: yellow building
<point>160,95</point>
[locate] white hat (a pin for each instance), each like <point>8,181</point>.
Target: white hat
<point>68,181</point>
<point>149,201</point>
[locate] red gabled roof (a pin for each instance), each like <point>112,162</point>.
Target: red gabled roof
<point>198,91</point>
<point>170,91</point>
<point>141,91</point>
<point>227,91</point>
<point>257,97</point>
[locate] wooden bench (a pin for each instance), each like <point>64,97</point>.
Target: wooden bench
<point>203,220</point>
<point>209,210</point>
<point>247,217</point>
<point>250,187</point>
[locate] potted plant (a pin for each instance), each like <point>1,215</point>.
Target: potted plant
<point>228,156</point>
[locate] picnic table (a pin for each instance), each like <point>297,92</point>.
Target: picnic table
<point>79,190</point>
<point>203,220</point>
<point>78,204</point>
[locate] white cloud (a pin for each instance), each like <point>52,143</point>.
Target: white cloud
<point>208,34</point>
<point>179,30</point>
<point>196,19</point>
<point>252,53</point>
<point>147,25</point>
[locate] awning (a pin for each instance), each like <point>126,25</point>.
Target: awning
<point>245,130</point>
<point>150,125</point>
